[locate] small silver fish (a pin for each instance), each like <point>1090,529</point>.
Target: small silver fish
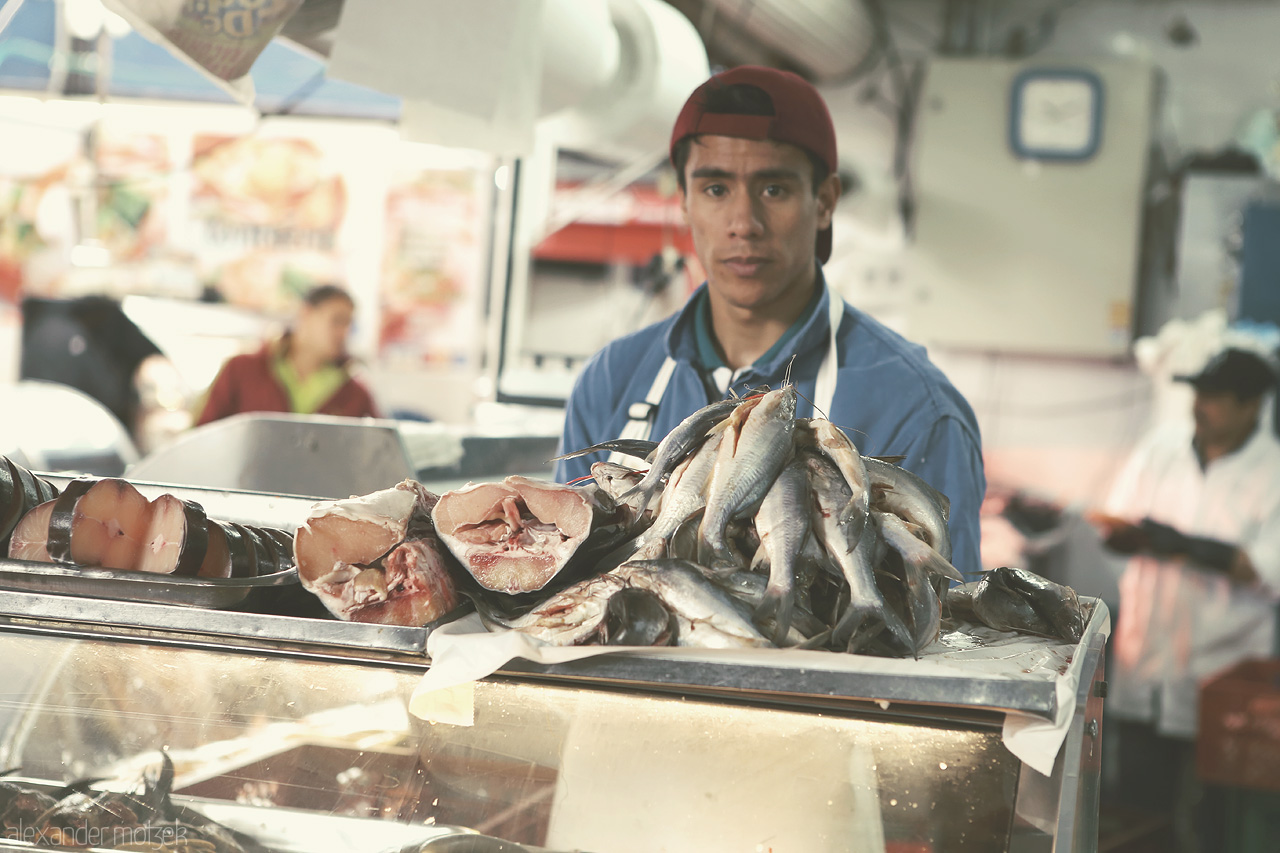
<point>900,536</point>
<point>686,493</point>
<point>677,444</point>
<point>749,460</point>
<point>868,611</point>
<point>907,495</point>
<point>782,522</point>
<point>833,443</point>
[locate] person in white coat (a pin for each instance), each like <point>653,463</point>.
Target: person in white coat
<point>1197,506</point>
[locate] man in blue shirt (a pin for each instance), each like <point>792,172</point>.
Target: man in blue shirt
<point>755,155</point>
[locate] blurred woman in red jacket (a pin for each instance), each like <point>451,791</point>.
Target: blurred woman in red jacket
<point>306,371</point>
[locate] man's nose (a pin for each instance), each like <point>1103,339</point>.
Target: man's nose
<point>745,216</point>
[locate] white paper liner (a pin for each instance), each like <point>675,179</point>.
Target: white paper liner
<point>463,652</point>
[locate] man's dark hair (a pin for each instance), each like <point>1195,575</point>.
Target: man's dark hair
<point>323,293</point>
<point>742,99</point>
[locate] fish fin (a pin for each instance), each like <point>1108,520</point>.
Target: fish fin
<point>817,641</point>
<point>854,515</point>
<point>638,448</point>
<point>646,493</point>
<point>939,565</point>
<point>619,555</point>
<point>156,792</point>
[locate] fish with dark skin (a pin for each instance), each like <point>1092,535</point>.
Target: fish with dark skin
<point>1010,598</point>
<point>637,617</point>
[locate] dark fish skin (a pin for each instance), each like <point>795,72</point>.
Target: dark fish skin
<point>958,602</point>
<point>637,617</point>
<point>637,447</point>
<point>1005,609</point>
<point>1057,604</point>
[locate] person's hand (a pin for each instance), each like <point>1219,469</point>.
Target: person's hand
<point>1163,540</point>
<point>1118,534</point>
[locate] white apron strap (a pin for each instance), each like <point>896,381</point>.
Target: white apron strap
<point>640,415</point>
<point>824,388</point>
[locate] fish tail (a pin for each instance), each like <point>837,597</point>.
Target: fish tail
<point>858,625</point>
<point>777,604</point>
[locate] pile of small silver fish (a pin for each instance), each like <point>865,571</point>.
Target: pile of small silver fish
<point>751,527</point>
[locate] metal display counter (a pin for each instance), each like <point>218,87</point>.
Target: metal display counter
<point>295,731</point>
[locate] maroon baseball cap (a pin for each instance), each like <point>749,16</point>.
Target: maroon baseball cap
<point>800,117</point>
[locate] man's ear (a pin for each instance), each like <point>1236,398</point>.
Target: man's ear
<point>684,205</point>
<point>828,195</point>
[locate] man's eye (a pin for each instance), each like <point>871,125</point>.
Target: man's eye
<point>775,191</point>
<point>715,190</point>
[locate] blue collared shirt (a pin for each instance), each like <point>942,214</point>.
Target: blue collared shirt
<point>890,400</point>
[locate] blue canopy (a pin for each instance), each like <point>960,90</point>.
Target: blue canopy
<point>286,79</point>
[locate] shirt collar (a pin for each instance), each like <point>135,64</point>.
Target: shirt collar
<point>688,336</point>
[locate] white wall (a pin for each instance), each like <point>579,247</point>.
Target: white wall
<point>1056,426</point>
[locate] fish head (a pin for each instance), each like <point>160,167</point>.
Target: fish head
<point>826,482</point>
<point>785,401</point>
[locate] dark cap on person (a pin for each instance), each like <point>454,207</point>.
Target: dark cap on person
<point>800,118</point>
<point>1239,371</point>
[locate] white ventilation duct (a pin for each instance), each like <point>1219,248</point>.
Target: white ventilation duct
<point>829,39</point>
<point>660,60</point>
<point>604,77</point>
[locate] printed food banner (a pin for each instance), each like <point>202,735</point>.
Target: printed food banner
<point>132,194</point>
<point>432,267</point>
<point>266,212</point>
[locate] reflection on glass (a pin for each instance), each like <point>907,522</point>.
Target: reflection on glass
<point>305,741</point>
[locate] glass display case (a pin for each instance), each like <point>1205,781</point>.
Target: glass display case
<point>294,733</point>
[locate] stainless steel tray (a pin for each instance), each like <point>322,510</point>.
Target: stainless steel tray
<point>81,616</point>
<point>211,593</point>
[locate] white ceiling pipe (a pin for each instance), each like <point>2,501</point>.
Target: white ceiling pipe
<point>662,60</point>
<point>607,76</point>
<point>580,52</point>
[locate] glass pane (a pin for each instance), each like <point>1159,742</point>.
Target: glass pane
<point>297,750</point>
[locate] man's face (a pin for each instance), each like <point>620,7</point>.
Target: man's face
<point>755,216</point>
<point>323,328</point>
<point>1224,419</point>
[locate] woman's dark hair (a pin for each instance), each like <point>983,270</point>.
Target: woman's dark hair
<point>323,293</point>
<point>741,99</point>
